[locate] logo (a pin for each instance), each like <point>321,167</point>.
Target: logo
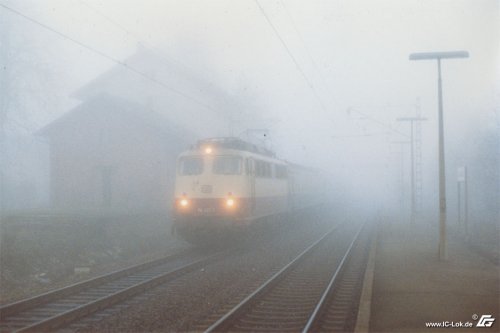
<point>485,321</point>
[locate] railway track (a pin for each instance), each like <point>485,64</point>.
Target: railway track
<point>316,291</point>
<point>58,308</point>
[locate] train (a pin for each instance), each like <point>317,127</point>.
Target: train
<point>227,184</point>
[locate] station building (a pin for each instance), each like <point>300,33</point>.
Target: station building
<point>116,150</point>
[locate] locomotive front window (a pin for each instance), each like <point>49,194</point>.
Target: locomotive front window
<point>191,166</point>
<point>227,165</point>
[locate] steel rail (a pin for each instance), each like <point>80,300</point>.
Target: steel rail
<point>106,301</point>
<point>24,304</point>
<point>242,306</point>
<point>322,301</point>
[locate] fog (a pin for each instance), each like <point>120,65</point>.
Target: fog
<point>103,104</point>
<point>321,83</point>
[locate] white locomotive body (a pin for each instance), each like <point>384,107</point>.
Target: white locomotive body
<point>228,183</point>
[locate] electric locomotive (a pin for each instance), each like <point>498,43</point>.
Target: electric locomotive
<point>227,184</point>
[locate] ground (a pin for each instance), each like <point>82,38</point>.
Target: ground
<point>413,287</point>
<point>38,254</point>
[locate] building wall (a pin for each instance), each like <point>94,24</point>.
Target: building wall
<point>109,160</point>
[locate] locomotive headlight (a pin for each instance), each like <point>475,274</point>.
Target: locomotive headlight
<point>208,150</point>
<point>184,202</point>
<point>230,202</point>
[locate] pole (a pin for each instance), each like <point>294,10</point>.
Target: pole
<point>466,204</point>
<point>402,206</point>
<point>412,166</point>
<point>402,201</point>
<point>442,191</point>
<point>442,181</point>
<point>412,216</point>
<point>459,206</point>
<point>418,161</point>
<point>6,62</point>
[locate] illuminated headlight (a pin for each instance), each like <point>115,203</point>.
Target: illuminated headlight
<point>184,202</point>
<point>230,202</point>
<point>208,150</point>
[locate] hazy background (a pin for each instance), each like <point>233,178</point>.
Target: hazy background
<point>327,79</point>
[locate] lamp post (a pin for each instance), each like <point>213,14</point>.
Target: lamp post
<point>442,191</point>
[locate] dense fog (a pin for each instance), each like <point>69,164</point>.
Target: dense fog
<point>321,83</point>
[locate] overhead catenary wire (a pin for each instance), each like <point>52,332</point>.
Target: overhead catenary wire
<point>163,57</point>
<point>299,68</point>
<point>108,57</point>
<point>311,58</point>
<point>319,72</point>
<point>322,77</point>
<point>357,136</point>
<point>107,18</point>
<point>378,122</point>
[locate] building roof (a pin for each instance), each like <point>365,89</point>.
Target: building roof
<point>121,107</point>
<point>182,95</point>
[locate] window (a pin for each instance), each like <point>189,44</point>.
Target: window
<point>268,173</point>
<point>260,169</point>
<point>280,171</point>
<point>249,166</point>
<point>190,166</point>
<point>227,165</point>
<point>263,169</point>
